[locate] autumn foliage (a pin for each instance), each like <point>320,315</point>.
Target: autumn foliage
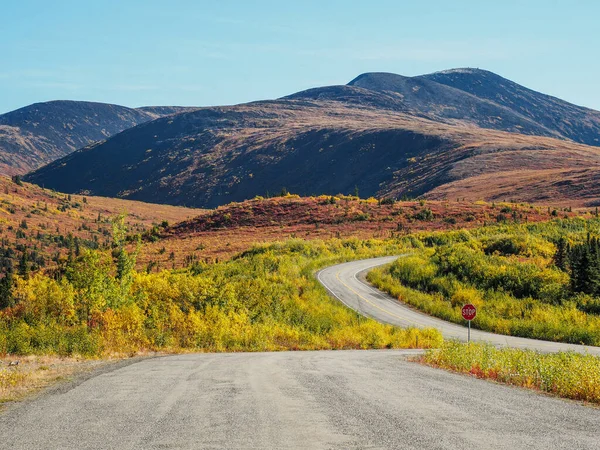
<point>508,272</point>
<point>264,299</point>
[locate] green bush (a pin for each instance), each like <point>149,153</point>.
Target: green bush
<point>264,299</point>
<point>508,272</point>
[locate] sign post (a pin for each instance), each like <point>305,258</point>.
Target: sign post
<point>469,312</point>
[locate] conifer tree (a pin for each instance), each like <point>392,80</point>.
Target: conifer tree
<point>561,257</point>
<point>6,298</point>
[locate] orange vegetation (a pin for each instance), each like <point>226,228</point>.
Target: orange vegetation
<point>233,228</point>
<point>43,221</point>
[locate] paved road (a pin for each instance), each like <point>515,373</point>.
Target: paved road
<point>295,400</point>
<point>347,283</point>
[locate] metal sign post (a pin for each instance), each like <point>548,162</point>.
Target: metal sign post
<point>469,335</point>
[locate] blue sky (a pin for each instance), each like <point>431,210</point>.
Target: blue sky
<point>200,53</point>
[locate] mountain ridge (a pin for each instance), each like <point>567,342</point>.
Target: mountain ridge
<point>383,133</point>
<point>42,132</point>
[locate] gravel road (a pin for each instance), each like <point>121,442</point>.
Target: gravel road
<point>303,400</point>
<point>295,400</point>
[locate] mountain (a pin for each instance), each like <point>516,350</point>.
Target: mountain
<point>571,121</point>
<point>217,155</point>
<point>154,112</point>
<point>40,133</point>
<point>489,101</point>
<point>383,133</point>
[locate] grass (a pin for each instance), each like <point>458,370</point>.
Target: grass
<point>34,373</point>
<point>569,375</point>
<point>507,272</point>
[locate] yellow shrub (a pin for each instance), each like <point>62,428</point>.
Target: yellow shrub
<point>45,298</point>
<point>465,295</point>
<point>122,330</point>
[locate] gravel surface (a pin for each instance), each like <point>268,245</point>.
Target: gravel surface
<point>303,400</point>
<point>295,400</point>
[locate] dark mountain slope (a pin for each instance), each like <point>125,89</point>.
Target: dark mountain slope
<point>571,121</point>
<point>323,141</point>
<point>386,134</point>
<point>355,96</point>
<point>155,112</point>
<point>40,133</point>
<point>217,155</point>
<point>448,104</point>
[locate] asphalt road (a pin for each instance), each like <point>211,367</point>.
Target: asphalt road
<point>347,283</point>
<point>295,400</point>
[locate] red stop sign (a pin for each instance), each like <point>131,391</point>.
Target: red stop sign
<point>469,312</point>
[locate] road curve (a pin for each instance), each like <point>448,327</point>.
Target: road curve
<point>295,400</point>
<point>347,283</point>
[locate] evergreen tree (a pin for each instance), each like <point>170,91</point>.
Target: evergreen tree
<point>585,267</point>
<point>6,298</point>
<point>561,257</point>
<point>23,267</point>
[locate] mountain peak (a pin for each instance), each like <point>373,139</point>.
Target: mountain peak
<point>381,80</point>
<point>464,70</point>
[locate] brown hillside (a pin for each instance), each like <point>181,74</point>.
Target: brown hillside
<point>213,156</point>
<point>233,228</point>
<point>45,223</point>
<point>43,132</point>
<point>387,135</point>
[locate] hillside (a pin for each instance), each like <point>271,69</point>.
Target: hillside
<point>448,104</point>
<point>40,133</point>
<point>234,228</point>
<point>44,223</point>
<point>489,101</point>
<point>385,134</point>
<point>571,121</point>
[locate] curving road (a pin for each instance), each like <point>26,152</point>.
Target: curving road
<point>347,283</point>
<point>300,400</point>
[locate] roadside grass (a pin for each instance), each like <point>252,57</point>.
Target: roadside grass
<point>34,373</point>
<point>508,272</point>
<point>566,374</point>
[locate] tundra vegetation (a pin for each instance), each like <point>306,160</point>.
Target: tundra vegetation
<point>569,375</point>
<point>263,299</point>
<point>532,280</point>
<point>537,280</point>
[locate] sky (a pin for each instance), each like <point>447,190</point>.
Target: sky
<point>201,53</point>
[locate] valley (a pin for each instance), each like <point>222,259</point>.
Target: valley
<point>163,230</point>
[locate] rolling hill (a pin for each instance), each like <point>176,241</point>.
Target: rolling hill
<point>385,134</point>
<point>40,133</point>
<point>40,226</point>
<point>234,228</point>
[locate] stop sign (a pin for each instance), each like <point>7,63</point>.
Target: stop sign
<point>469,312</point>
